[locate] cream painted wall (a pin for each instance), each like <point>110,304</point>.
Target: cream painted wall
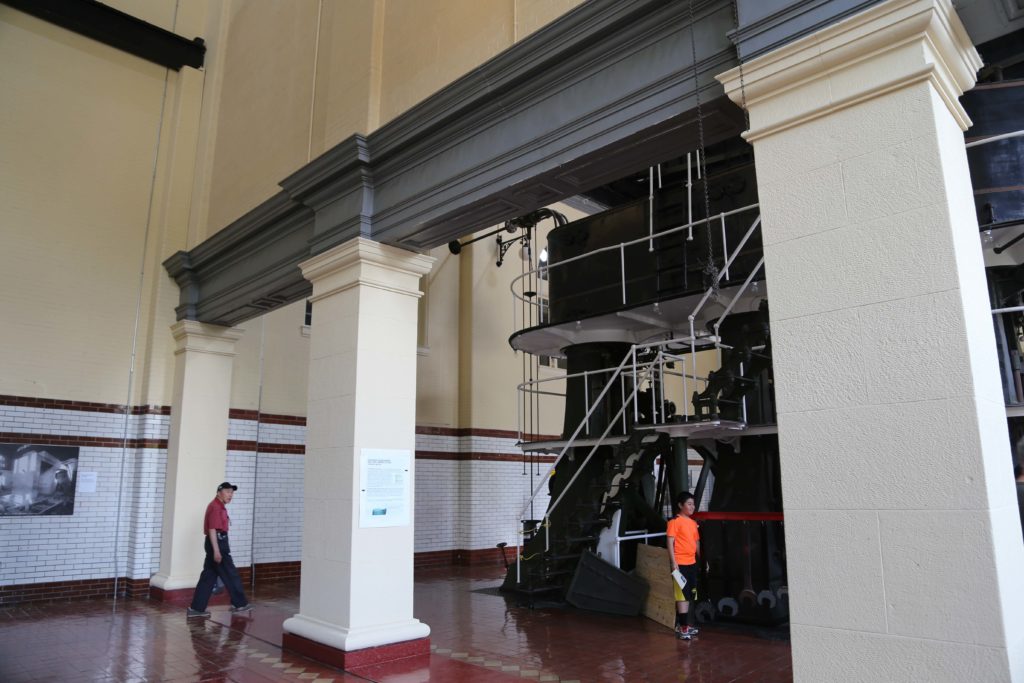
<point>77,154</point>
<point>279,338</point>
<point>348,72</point>
<point>427,45</point>
<point>437,369</point>
<point>263,125</point>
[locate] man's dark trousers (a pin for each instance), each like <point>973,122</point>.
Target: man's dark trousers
<point>227,572</point>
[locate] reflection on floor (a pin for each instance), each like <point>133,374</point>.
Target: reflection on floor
<point>476,635</point>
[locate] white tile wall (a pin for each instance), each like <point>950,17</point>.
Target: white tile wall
<point>246,430</point>
<point>82,423</point>
<point>82,546</point>
<point>469,504</point>
<point>279,489</point>
<point>484,499</point>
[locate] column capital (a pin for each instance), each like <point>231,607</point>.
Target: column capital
<point>363,262</point>
<point>191,335</point>
<point>886,47</point>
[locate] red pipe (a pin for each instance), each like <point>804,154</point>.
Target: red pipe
<point>739,516</point>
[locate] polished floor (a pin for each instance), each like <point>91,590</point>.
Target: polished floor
<point>476,635</point>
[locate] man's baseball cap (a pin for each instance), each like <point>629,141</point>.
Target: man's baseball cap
<point>227,485</point>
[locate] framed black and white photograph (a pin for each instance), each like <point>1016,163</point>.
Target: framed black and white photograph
<point>37,479</point>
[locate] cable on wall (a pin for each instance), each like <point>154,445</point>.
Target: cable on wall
<point>256,458</point>
<point>135,328</point>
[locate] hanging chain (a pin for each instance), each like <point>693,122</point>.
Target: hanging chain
<point>739,58</point>
<point>710,269</point>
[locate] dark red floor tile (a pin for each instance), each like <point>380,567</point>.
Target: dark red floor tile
<point>478,635</point>
<point>433,668</point>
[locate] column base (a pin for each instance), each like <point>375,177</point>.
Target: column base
<point>347,648</point>
<point>325,654</point>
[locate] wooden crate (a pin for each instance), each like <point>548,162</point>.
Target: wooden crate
<point>652,565</point>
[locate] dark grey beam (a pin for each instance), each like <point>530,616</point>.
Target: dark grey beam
<point>603,91</point>
<point>248,268</point>
<point>118,30</point>
<point>765,25</point>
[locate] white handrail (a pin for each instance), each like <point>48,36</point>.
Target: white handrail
<point>621,247</point>
<point>994,138</point>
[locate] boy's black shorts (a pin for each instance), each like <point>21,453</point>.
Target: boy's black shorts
<point>690,573</point>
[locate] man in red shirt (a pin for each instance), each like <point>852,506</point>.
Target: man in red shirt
<point>218,562</point>
<point>683,548</point>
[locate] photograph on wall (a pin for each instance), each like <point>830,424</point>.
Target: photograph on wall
<point>37,479</point>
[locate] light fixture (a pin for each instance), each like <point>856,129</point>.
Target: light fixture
<point>525,223</point>
<point>543,255</point>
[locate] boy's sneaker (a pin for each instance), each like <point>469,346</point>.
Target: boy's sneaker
<point>243,608</point>
<point>686,633</point>
<point>196,613</point>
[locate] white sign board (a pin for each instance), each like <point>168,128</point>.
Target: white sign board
<point>86,482</point>
<point>385,487</point>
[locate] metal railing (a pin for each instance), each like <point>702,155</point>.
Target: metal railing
<point>546,523</point>
<point>537,300</point>
<point>529,392</point>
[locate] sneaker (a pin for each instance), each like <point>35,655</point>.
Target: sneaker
<point>240,610</point>
<point>196,613</point>
<point>686,633</point>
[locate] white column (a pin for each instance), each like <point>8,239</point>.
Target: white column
<point>196,446</point>
<point>357,581</point>
<point>903,541</point>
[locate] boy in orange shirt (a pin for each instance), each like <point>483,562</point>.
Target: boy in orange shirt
<point>683,548</point>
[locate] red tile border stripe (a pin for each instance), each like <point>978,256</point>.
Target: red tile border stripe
<point>73,440</point>
<point>266,418</point>
<point>489,457</point>
<point>253,447</point>
<point>473,431</point>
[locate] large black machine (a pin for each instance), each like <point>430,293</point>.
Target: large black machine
<point>620,486</point>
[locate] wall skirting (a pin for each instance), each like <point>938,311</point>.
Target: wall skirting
<point>66,591</point>
<point>463,558</point>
